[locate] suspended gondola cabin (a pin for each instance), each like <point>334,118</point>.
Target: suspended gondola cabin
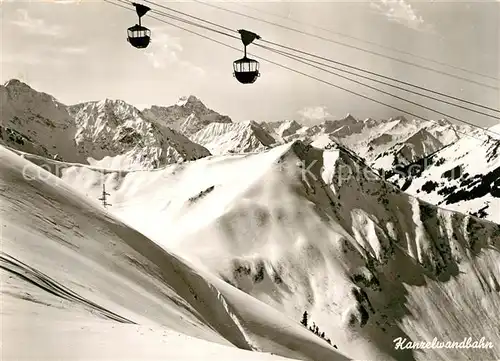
<point>138,35</point>
<point>246,70</point>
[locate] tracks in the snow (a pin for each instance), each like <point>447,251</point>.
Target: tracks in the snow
<point>41,280</point>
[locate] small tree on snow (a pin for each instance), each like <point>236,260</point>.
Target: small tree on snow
<point>304,319</point>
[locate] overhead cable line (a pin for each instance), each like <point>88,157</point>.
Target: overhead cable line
<point>317,56</point>
<point>346,45</point>
<point>383,76</point>
<point>304,60</point>
<point>305,74</point>
<point>380,90</point>
<point>173,17</point>
<point>369,42</point>
<point>186,14</point>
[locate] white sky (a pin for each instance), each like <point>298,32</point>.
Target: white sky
<point>78,52</point>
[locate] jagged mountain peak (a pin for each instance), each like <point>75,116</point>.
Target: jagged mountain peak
<point>442,122</point>
<point>110,127</point>
<point>275,124</point>
<point>188,115</point>
<point>19,84</point>
<point>284,130</point>
<point>421,133</point>
<point>292,122</point>
<point>15,82</point>
<point>18,90</point>
<point>189,101</point>
<point>17,87</point>
<point>111,111</point>
<point>401,118</point>
<point>241,137</point>
<point>116,104</point>
<point>111,101</point>
<point>253,123</point>
<point>107,106</point>
<point>349,117</point>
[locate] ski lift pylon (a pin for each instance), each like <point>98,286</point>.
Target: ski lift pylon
<point>246,70</point>
<point>138,35</point>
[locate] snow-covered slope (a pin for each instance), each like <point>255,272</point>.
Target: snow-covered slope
<point>83,340</point>
<point>78,282</point>
<point>117,134</point>
<point>495,128</point>
<point>242,137</point>
<point>305,229</point>
<point>188,115</point>
<point>465,176</point>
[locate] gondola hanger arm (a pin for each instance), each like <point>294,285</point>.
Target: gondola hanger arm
<point>247,37</point>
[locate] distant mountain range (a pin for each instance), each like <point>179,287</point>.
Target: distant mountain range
<point>114,134</point>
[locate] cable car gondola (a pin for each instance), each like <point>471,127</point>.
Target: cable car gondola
<point>138,35</point>
<point>246,70</point>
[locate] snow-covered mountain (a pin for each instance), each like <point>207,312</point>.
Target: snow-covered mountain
<point>464,176</point>
<point>118,135</point>
<point>79,283</point>
<point>36,122</point>
<point>300,228</point>
<point>214,131</point>
<point>420,144</point>
<point>399,148</point>
<point>242,137</point>
<point>188,115</point>
<point>284,130</point>
<point>375,140</point>
<point>108,133</point>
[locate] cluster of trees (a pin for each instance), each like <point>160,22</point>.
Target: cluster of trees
<point>314,328</point>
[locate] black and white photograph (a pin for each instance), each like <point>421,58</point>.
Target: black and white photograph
<point>198,180</point>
